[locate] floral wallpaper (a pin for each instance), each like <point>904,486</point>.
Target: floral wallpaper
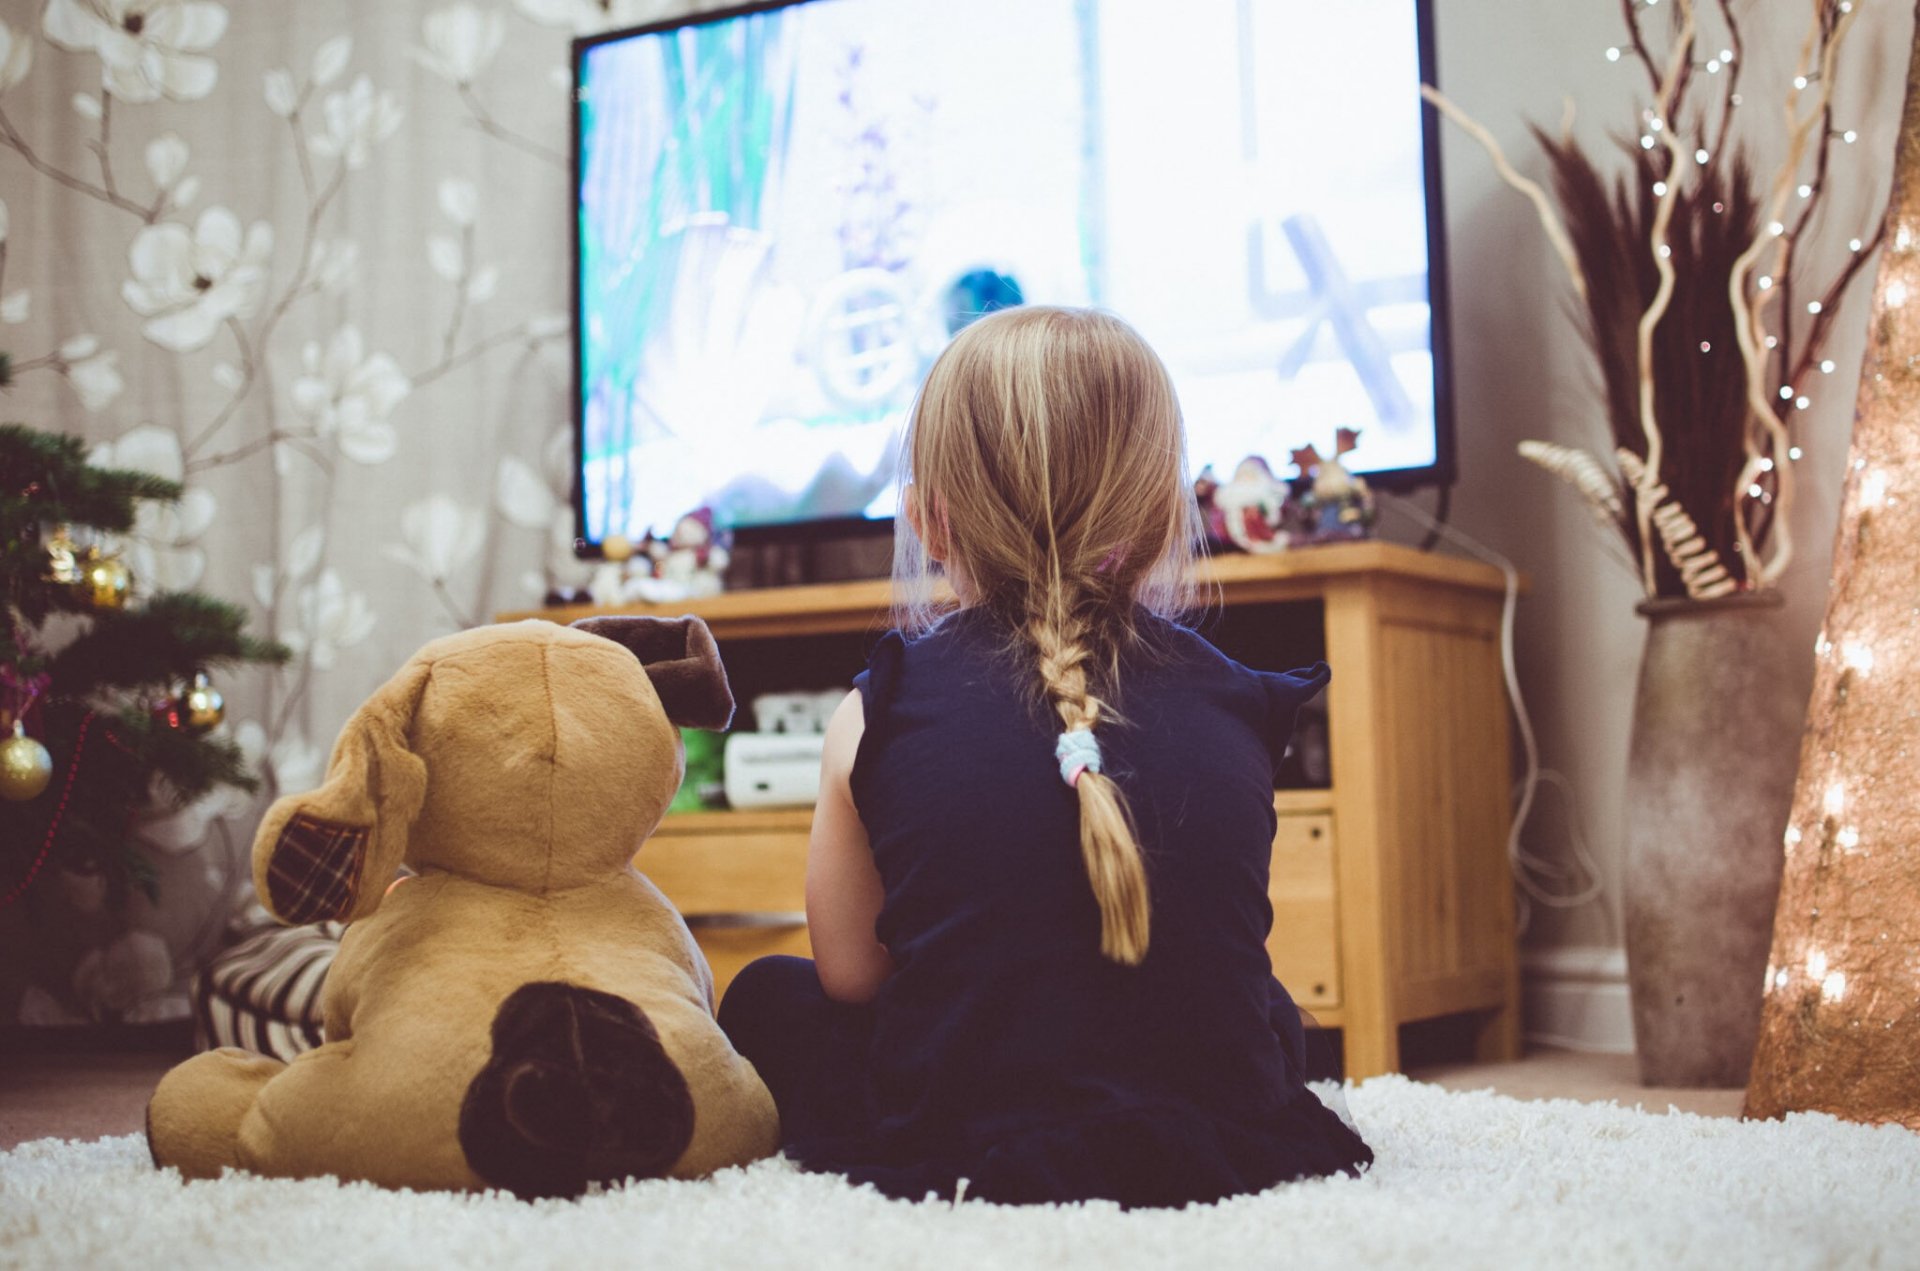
<point>310,260</point>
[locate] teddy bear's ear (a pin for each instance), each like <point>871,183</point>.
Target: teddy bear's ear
<point>329,854</point>
<point>681,659</point>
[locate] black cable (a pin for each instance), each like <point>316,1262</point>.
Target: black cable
<point>1440,512</point>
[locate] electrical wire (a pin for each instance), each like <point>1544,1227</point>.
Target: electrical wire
<point>1442,512</point>
<point>1541,881</point>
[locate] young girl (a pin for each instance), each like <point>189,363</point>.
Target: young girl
<point>1037,883</point>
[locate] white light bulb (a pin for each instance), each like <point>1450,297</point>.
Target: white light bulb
<point>1799,81</point>
<point>1713,66</point>
<point>1773,341</point>
<point>1813,306</point>
<point>1706,346</point>
<point>1803,402</point>
<point>1726,55</point>
<point>1849,136</point>
<point>1854,244</point>
<point>1786,391</point>
<point>1699,156</point>
<point>1646,142</point>
<point>1827,366</point>
<point>1806,191</point>
<point>1754,492</point>
<point>1665,251</point>
<point>1659,189</point>
<point>1765,281</point>
<point>1775,228</point>
<point>1793,453</point>
<point>1613,55</point>
<point>1655,124</point>
<point>1766,465</point>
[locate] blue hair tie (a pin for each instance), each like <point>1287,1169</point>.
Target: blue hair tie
<point>1078,751</point>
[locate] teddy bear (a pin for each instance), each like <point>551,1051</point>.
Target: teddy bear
<point>524,1010</point>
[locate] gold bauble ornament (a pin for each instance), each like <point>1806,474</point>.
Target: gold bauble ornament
<point>105,581</point>
<point>25,766</point>
<point>203,707</point>
<point>616,547</point>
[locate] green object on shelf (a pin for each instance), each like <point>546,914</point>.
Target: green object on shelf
<point>703,787</point>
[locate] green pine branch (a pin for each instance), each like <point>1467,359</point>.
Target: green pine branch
<point>167,639</point>
<point>45,478</point>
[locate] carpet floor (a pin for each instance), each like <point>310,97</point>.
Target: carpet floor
<point>1469,1179</point>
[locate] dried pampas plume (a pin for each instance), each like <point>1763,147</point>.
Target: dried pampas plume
<point>1583,472</point>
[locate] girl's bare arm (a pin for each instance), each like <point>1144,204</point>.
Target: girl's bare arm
<point>844,892</point>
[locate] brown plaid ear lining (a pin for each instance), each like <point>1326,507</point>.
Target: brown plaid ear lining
<point>315,871</point>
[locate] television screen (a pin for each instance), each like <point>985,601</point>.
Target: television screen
<point>784,213</point>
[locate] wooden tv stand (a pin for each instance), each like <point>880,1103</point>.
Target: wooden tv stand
<point>1391,896</point>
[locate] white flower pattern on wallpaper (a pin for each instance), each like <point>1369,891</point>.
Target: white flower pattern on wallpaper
<point>330,618</point>
<point>187,284</point>
<point>163,550</point>
<point>354,121</point>
<point>439,536</point>
<point>148,49</point>
<point>93,372</point>
<point>347,395</point>
<point>462,41</point>
<point>16,56</point>
<point>294,352</point>
<point>166,157</point>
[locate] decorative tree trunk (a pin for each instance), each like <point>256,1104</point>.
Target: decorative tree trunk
<point>1840,1032</point>
<point>1709,774</point>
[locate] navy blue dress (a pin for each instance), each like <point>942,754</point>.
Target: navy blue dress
<point>1005,1050</point>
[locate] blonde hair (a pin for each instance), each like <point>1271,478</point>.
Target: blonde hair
<point>1048,462</point>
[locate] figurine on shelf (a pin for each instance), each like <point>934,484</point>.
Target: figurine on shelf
<point>1250,510</point>
<point>1334,503</point>
<point>612,576</point>
<point>687,563</point>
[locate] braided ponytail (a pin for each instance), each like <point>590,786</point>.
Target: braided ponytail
<point>1109,845</point>
<point>1047,452</point>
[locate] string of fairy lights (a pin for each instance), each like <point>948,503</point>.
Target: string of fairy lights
<point>1840,1027</point>
<point>1724,60</point>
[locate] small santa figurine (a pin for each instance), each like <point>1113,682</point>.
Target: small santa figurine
<point>691,559</point>
<point>1250,507</point>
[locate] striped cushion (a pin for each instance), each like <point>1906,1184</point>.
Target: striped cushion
<point>263,994</point>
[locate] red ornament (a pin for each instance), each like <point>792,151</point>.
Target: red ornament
<point>166,712</point>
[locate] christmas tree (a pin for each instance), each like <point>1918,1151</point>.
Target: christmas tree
<point>106,703</point>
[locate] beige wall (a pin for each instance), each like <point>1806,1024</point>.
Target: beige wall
<point>1522,370</point>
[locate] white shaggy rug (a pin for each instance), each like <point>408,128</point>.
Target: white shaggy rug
<point>1472,1180</point>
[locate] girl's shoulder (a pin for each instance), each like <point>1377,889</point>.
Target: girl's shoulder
<point>1188,655</point>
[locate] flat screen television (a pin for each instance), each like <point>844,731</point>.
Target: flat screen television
<point>783,213</point>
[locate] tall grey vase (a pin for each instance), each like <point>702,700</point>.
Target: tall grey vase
<point>1710,771</point>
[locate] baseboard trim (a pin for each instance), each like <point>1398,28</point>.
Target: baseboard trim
<point>1576,998</point>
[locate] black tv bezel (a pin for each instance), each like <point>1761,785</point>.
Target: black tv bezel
<point>1443,471</point>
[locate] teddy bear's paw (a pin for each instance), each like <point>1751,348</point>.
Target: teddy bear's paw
<point>578,1090</point>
